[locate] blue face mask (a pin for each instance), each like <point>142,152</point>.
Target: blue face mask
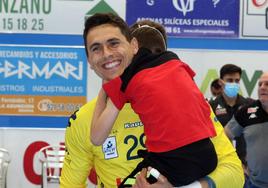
<point>231,89</point>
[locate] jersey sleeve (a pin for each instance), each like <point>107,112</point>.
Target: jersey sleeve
<point>79,156</point>
<point>113,90</point>
<point>229,171</point>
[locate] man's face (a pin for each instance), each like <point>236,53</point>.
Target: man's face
<point>231,78</point>
<point>231,85</point>
<point>263,89</point>
<point>109,52</point>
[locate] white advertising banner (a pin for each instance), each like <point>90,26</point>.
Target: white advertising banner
<point>52,16</point>
<point>254,20</point>
<point>207,64</point>
<point>23,145</point>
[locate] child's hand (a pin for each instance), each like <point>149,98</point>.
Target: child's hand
<point>141,181</point>
<point>104,81</point>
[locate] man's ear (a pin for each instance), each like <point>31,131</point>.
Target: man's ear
<point>135,45</point>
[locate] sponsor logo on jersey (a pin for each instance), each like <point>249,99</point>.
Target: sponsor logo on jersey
<point>220,110</point>
<point>252,110</point>
<point>109,148</point>
<point>252,116</point>
<point>133,124</point>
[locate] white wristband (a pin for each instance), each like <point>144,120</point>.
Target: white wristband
<point>195,184</point>
<point>155,173</point>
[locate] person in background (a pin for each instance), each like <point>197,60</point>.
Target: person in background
<point>226,104</point>
<point>115,159</point>
<point>252,121</point>
<point>215,88</point>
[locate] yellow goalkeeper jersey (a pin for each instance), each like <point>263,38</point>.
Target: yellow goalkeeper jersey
<point>113,161</point>
<point>117,157</point>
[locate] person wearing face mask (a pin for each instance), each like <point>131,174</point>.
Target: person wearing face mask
<point>252,120</point>
<point>226,104</point>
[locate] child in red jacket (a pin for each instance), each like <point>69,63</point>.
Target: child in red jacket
<point>174,112</point>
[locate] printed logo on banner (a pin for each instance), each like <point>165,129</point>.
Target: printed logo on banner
<point>184,6</point>
<point>42,80</point>
<point>189,18</point>
<point>255,18</point>
<point>101,7</point>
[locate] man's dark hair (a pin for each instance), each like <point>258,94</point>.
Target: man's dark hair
<point>105,18</point>
<point>215,84</point>
<point>150,35</point>
<point>229,69</point>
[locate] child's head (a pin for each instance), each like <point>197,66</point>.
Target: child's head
<point>150,35</point>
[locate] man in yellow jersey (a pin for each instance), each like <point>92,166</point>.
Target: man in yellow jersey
<point>109,47</point>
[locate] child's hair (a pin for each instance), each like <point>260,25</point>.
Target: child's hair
<point>150,35</point>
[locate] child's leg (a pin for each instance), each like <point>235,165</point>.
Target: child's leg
<point>186,164</point>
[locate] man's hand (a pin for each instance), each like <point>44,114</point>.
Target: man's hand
<point>141,181</point>
<point>162,182</point>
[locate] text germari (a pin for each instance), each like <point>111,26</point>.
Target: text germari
<point>33,70</point>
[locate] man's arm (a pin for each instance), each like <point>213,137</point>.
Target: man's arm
<point>229,171</point>
<point>228,132</point>
<point>233,128</point>
<point>103,120</point>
